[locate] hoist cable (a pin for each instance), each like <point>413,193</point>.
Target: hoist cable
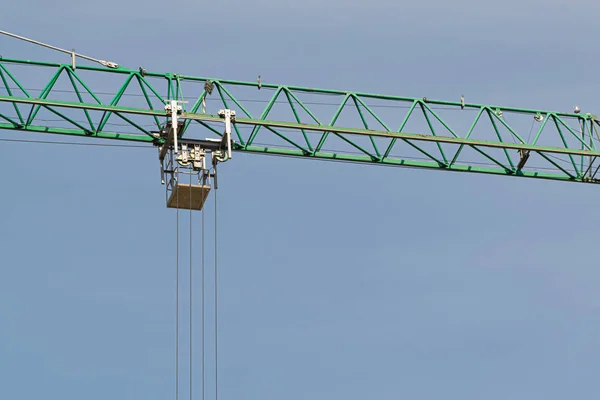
<point>191,287</point>
<point>216,301</point>
<point>177,297</point>
<point>203,297</point>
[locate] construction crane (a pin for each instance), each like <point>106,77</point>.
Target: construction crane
<point>196,123</point>
<point>166,109</point>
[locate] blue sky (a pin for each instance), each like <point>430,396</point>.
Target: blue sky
<point>336,280</point>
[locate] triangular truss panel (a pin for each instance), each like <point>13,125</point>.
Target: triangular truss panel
<point>134,104</point>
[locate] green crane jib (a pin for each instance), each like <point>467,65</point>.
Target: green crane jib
<point>138,105</point>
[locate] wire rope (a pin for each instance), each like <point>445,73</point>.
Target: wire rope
<point>530,131</point>
<point>177,296</point>
<point>216,299</point>
<point>107,64</point>
<point>191,290</point>
<point>203,298</point>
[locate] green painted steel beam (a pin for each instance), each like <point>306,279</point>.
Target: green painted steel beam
<point>276,124</point>
<point>398,135</point>
<point>75,132</point>
<point>404,163</point>
<point>297,121</point>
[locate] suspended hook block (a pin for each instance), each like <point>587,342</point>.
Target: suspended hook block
<point>188,197</point>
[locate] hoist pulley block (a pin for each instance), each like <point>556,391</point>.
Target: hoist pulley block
<point>188,197</point>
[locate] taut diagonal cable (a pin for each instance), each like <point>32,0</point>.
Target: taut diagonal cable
<point>108,64</point>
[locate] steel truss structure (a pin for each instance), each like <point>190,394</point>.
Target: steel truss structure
<point>134,105</point>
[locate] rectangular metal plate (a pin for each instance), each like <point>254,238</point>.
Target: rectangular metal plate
<point>188,197</point>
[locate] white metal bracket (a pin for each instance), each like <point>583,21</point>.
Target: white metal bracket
<point>175,109</point>
<point>229,116</point>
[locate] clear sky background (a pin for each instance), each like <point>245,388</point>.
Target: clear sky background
<point>336,281</point>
